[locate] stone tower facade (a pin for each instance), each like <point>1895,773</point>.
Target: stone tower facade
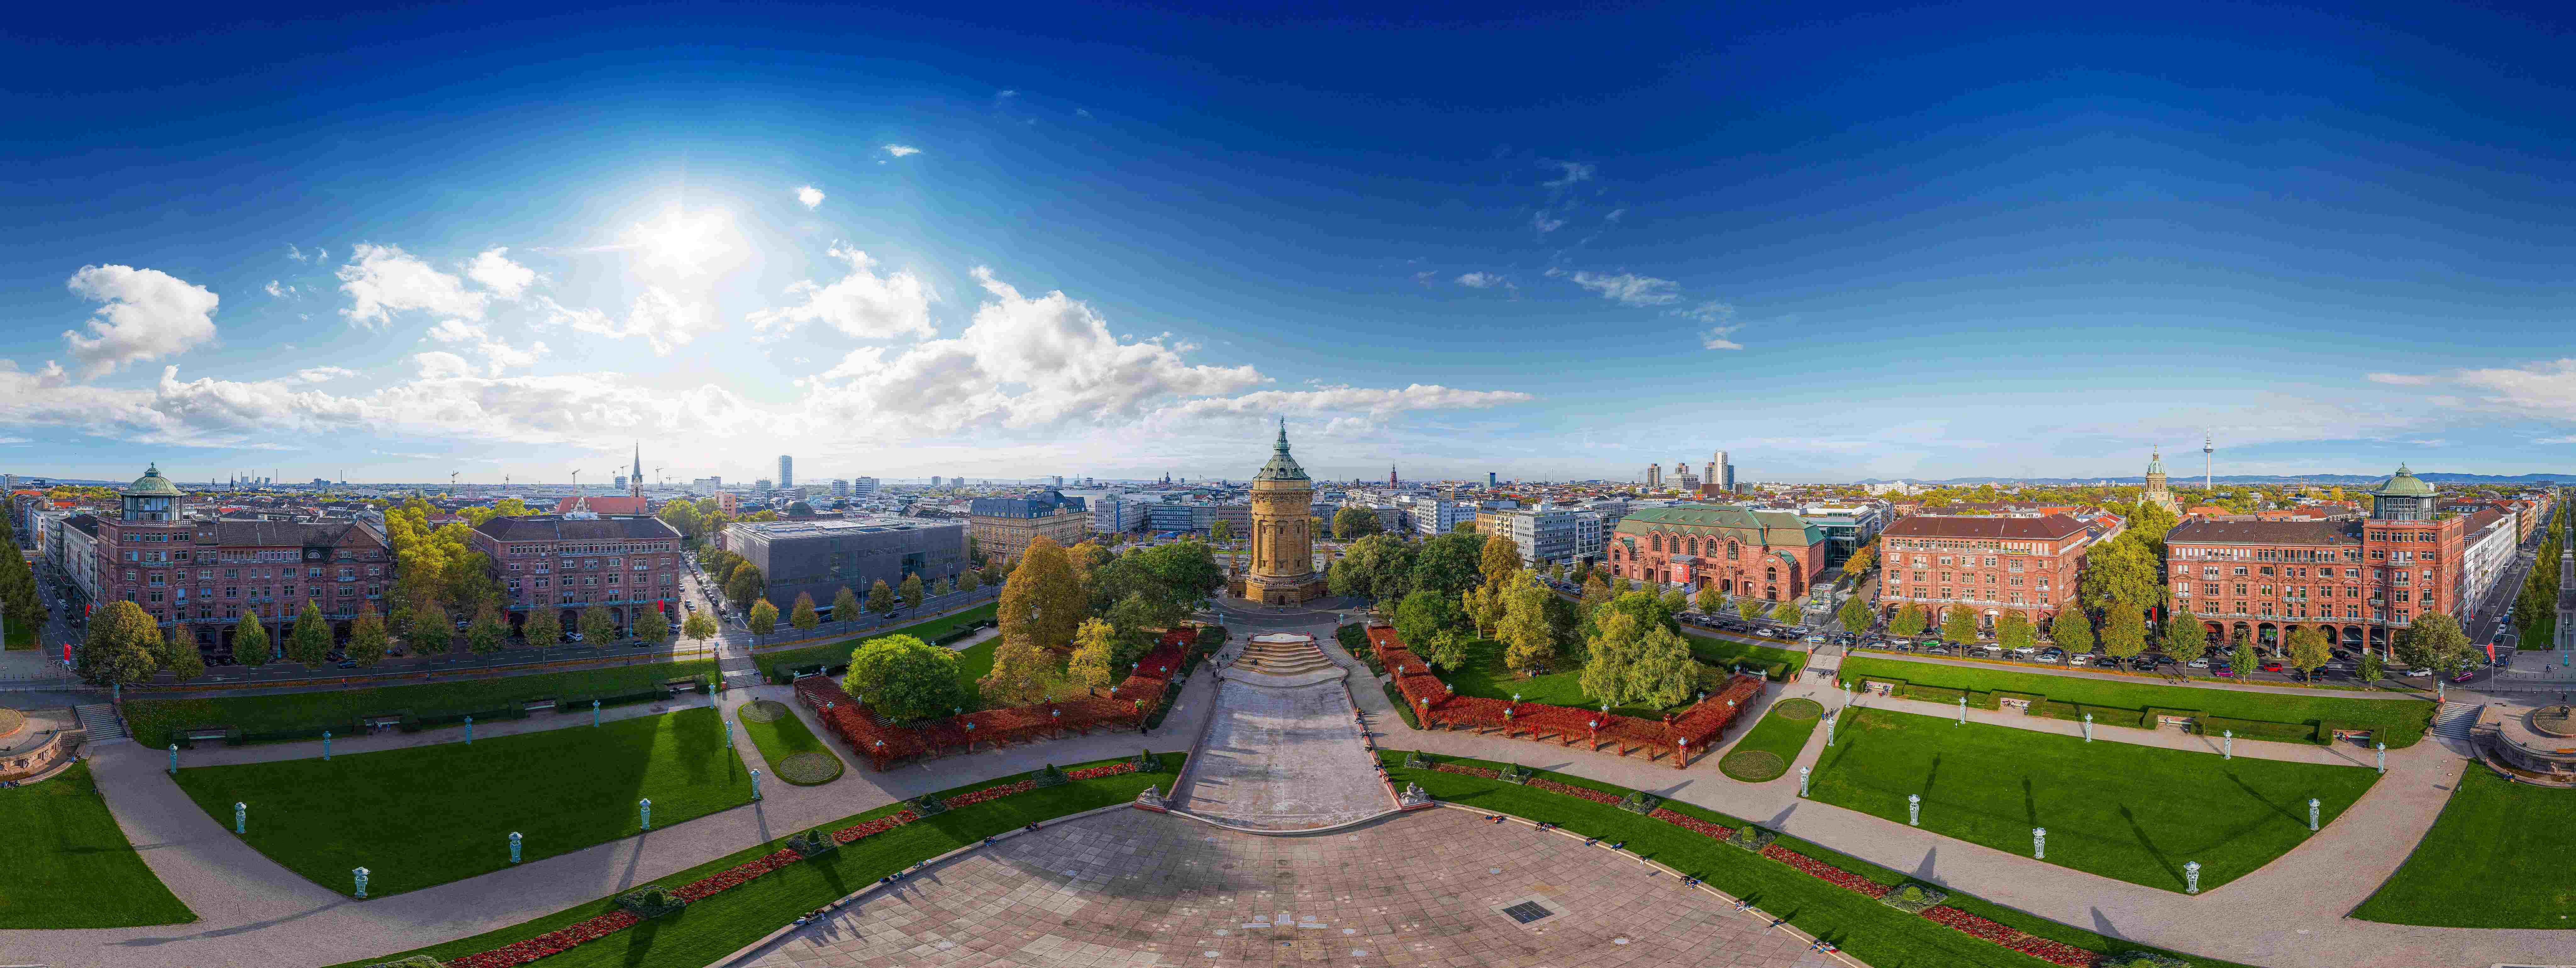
<point>2158,492</point>
<point>1283,537</point>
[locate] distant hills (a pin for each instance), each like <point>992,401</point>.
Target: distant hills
<point>2182,480</point>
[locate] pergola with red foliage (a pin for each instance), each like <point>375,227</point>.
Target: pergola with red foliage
<point>1694,730</point>
<point>1129,703</point>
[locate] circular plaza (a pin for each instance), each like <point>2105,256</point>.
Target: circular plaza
<point>1436,887</point>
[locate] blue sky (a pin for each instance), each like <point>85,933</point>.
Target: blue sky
<point>1078,239</point>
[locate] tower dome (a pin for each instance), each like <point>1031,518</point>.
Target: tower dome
<point>152,484</point>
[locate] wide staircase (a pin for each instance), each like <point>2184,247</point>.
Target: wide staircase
<point>1282,655</point>
<point>736,663</point>
<point>101,723</point>
<point>2455,719</point>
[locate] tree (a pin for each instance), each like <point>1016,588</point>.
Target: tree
<point>1609,654</point>
<point>1662,673</point>
<point>880,597</point>
<point>20,600</point>
<point>1424,614</point>
<point>1596,593</point>
<point>1582,571</point>
<point>598,627</point>
<point>1908,622</point>
<point>183,661</point>
<point>2244,658</point>
<point>653,626</point>
<point>1042,603</point>
<point>2122,572</point>
<point>945,587</point>
<point>310,641</point>
<point>1861,561</point>
<point>2435,642</point>
<point>2072,630</point>
<point>543,628</point>
<point>1786,613</point>
<point>1484,607</point>
<point>1448,650</point>
<point>2184,639</point>
<point>1354,523</point>
<point>1221,532</point>
<point>1022,673</point>
<point>911,590</point>
<point>2372,670</point>
<point>119,648</point>
<point>903,678</point>
<point>1675,601</point>
<point>2308,651</point>
<point>488,633</point>
<point>745,584</point>
<point>763,619</point>
<point>803,616</point>
<point>1528,641</point>
<point>1855,615</point>
<point>431,630</point>
<point>1093,642</point>
<point>1377,567</point>
<point>698,626</point>
<point>969,580</point>
<point>367,640</point>
<point>1959,625</point>
<point>2124,634</point>
<point>1450,563</point>
<point>1747,607</point>
<point>2014,631</point>
<point>1499,559</point>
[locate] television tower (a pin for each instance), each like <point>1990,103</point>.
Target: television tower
<point>2204,463</point>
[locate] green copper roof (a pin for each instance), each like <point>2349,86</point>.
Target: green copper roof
<point>2155,462</point>
<point>1281,467</point>
<point>152,484</point>
<point>1745,526</point>
<point>2404,483</point>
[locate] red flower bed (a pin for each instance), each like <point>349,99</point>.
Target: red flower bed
<point>732,877</point>
<point>1476,771</point>
<point>1692,824</point>
<point>1096,772</point>
<point>551,942</point>
<point>1595,796</point>
<point>1826,872</point>
<point>874,827</point>
<point>990,793</point>
<point>2053,952</point>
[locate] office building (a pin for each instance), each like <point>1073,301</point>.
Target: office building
<point>1988,564</point>
<point>2360,581</point>
<point>862,486</point>
<point>821,557</point>
<point>786,471</point>
<point>1771,555</point>
<point>569,562</point>
<point>1004,526</point>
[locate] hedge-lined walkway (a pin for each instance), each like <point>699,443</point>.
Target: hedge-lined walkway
<point>215,753</point>
<point>2340,754</point>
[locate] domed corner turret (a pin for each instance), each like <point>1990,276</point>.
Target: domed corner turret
<point>2404,483</point>
<point>1281,467</point>
<point>152,484</point>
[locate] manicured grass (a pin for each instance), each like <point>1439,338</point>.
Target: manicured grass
<point>838,653</point>
<point>22,637</point>
<point>1775,742</point>
<point>154,720</point>
<point>717,926</point>
<point>1485,676</point>
<point>2132,813</point>
<point>2497,858</point>
<point>65,863</point>
<point>2536,636</point>
<point>426,815</point>
<point>1723,653</point>
<point>787,736</point>
<point>1872,932</point>
<point>2399,722</point>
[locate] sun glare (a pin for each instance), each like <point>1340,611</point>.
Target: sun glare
<point>686,242</point>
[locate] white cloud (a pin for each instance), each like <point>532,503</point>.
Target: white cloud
<point>2571,439</point>
<point>1484,280</point>
<point>1007,93</point>
<point>903,150</point>
<point>382,280</point>
<point>1546,223</point>
<point>1424,277</point>
<point>1082,112</point>
<point>1374,402</point>
<point>809,196</point>
<point>299,255</point>
<point>493,270</point>
<point>660,318</point>
<point>1614,215</point>
<point>1712,311</point>
<point>1716,339</point>
<point>497,354</point>
<point>1627,288</point>
<point>862,304</point>
<point>2402,379</point>
<point>281,292</point>
<point>1572,171</point>
<point>324,374</point>
<point>440,364</point>
<point>147,314</point>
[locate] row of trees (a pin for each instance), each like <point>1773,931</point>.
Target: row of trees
<point>2537,601</point>
<point>1629,643</point>
<point>22,603</point>
<point>2433,641</point>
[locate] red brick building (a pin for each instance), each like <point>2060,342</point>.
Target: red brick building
<point>2359,581</point>
<point>1993,565</point>
<point>212,572</point>
<point>1771,555</point>
<point>573,561</point>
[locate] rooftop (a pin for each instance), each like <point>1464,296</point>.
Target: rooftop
<point>842,527</point>
<point>555,527</point>
<point>2309,533</point>
<point>2046,527</point>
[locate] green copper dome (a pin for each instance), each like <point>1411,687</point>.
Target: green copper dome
<point>2404,483</point>
<point>1281,467</point>
<point>152,484</point>
<point>2155,462</point>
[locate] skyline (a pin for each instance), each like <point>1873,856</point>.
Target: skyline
<point>1910,245</point>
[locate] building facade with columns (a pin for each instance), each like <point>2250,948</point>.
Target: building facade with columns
<point>1766,554</point>
<point>569,562</point>
<point>1990,564</point>
<point>1003,526</point>
<point>1282,570</point>
<point>212,572</point>
<point>2361,582</point>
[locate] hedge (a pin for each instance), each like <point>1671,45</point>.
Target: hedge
<point>1401,709</point>
<point>2102,715</point>
<point>2255,729</point>
<point>2320,733</point>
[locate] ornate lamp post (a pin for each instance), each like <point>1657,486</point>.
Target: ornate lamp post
<point>1829,726</point>
<point>2383,759</point>
<point>361,875</point>
<point>2312,814</point>
<point>2191,877</point>
<point>755,784</point>
<point>644,811</point>
<point>729,730</point>
<point>2088,727</point>
<point>514,846</point>
<point>594,712</point>
<point>2228,750</point>
<point>469,730</point>
<point>326,745</point>
<point>1914,810</point>
<point>241,817</point>
<point>174,759</point>
<point>1963,710</point>
<point>2039,843</point>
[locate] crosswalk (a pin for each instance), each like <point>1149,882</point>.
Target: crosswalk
<point>2455,719</point>
<point>102,724</point>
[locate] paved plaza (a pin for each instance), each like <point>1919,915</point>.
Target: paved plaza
<point>1133,888</point>
<point>1287,758</point>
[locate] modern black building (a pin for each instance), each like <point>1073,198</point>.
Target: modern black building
<point>821,557</point>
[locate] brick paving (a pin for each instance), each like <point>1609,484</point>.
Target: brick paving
<point>1130,889</point>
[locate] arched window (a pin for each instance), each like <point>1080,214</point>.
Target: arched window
<point>1655,542</point>
<point>1770,574</point>
<point>1730,550</point>
<point>1694,546</point>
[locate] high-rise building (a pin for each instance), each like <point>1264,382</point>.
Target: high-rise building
<point>786,471</point>
<point>1489,479</point>
<point>1059,480</point>
<point>863,486</point>
<point>1654,475</point>
<point>934,480</point>
<point>841,487</point>
<point>1721,474</point>
<point>1390,476</point>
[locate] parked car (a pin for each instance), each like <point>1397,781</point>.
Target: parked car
<point>691,606</point>
<point>2198,663</point>
<point>2418,672</point>
<point>2272,666</point>
<point>2223,672</point>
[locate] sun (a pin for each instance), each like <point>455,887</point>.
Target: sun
<point>686,242</point>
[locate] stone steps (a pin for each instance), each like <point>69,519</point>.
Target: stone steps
<point>102,724</point>
<point>2455,719</point>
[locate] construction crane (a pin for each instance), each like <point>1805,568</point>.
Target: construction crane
<point>451,483</point>
<point>657,478</point>
<point>576,481</point>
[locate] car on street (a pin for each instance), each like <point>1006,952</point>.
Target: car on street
<point>2272,666</point>
<point>2418,673</point>
<point>691,606</point>
<point>2223,672</point>
<point>2198,663</point>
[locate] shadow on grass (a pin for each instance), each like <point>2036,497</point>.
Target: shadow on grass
<point>2149,844</point>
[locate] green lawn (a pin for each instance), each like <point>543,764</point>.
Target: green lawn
<point>787,736</point>
<point>154,720</point>
<point>717,926</point>
<point>2399,721</point>
<point>1724,653</point>
<point>1872,932</point>
<point>65,863</point>
<point>426,815</point>
<point>2497,858</point>
<point>1485,676</point>
<point>1775,742</point>
<point>22,637</point>
<point>2132,813</point>
<point>838,653</point>
<point>2535,636</point>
